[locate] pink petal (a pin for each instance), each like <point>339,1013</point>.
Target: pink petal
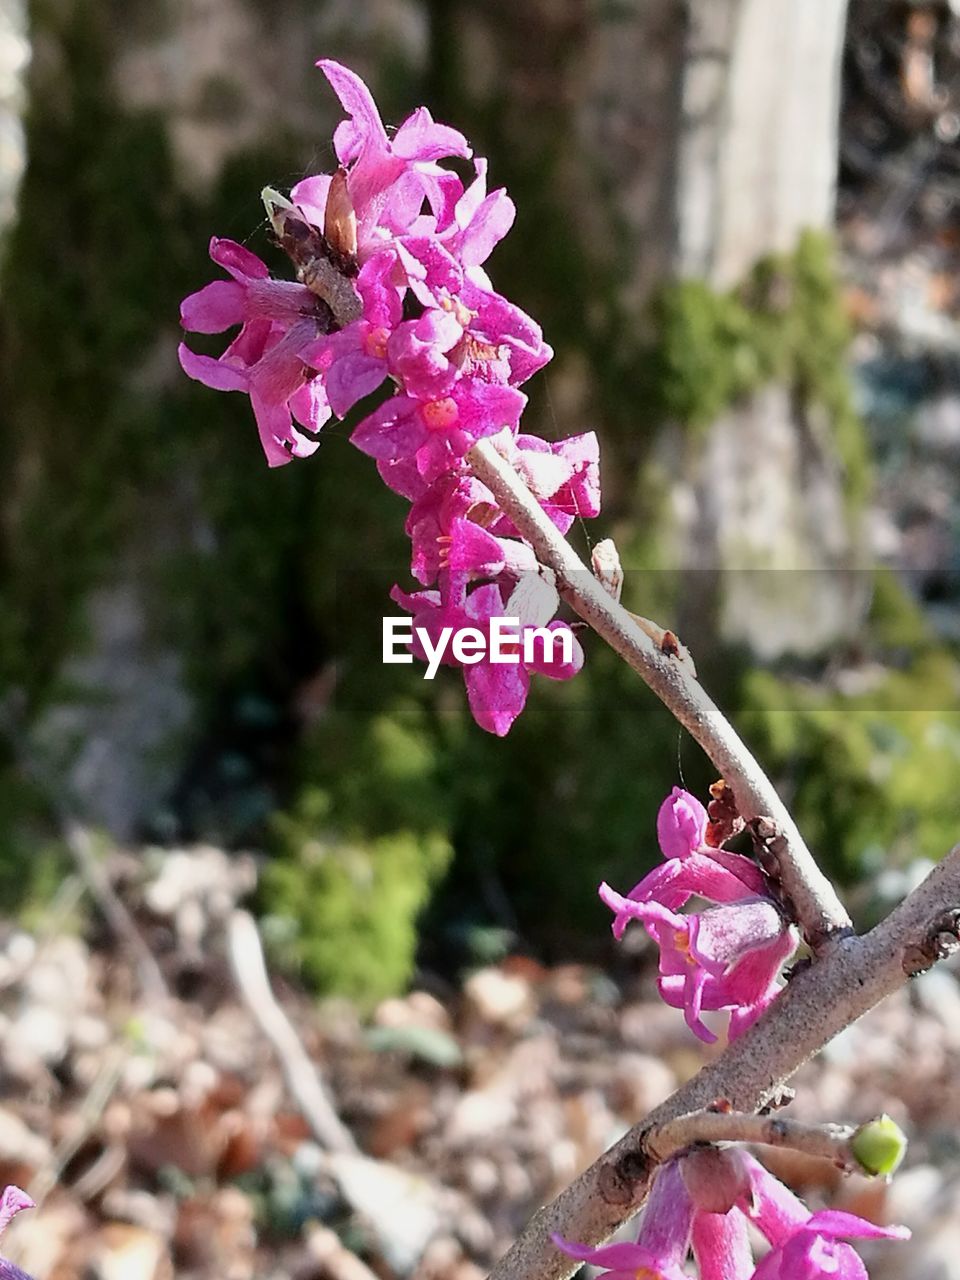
<point>357,100</point>
<point>212,373</point>
<point>280,440</point>
<point>351,378</point>
<point>681,824</point>
<point>240,262</point>
<point>401,475</point>
<point>496,694</point>
<point>310,196</point>
<point>618,1257</point>
<point>489,225</point>
<point>421,138</point>
<point>213,308</point>
<point>721,1246</point>
<point>309,405</point>
<point>837,1224</point>
<point>394,430</point>
<point>555,667</point>
<point>11,1203</point>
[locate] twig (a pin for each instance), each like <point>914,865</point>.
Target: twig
<point>113,909</point>
<point>829,1141</point>
<point>303,1079</point>
<point>84,1122</point>
<point>817,1003</point>
<point>335,1260</point>
<point>819,911</point>
<point>80,843</point>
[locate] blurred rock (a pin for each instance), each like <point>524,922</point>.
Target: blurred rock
<point>401,1210</point>
<point>121,1251</point>
<point>418,1009</point>
<point>498,998</point>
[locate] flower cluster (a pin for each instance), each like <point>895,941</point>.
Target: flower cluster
<point>702,1203</point>
<point>392,289</point>
<point>727,956</point>
<point>11,1202</point>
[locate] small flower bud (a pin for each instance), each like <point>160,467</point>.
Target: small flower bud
<point>879,1146</point>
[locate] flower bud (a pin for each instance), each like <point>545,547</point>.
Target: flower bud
<point>879,1146</point>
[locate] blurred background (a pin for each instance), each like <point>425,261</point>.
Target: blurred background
<point>739,225</point>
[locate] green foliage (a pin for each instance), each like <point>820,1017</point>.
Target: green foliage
<point>706,353</point>
<point>785,322</point>
<point>32,862</point>
<point>358,859</point>
<point>872,775</point>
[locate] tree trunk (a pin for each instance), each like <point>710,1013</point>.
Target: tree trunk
<point>758,149</point>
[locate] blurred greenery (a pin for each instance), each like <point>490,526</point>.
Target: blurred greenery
<point>391,808</point>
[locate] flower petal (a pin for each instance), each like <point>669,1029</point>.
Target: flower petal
<point>240,262</point>
<point>211,372</point>
<point>496,694</point>
<point>213,308</point>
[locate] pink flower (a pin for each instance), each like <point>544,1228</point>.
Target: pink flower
<point>704,1200</point>
<point>726,957</point>
<point>422,356</point>
<point>478,223</point>
<point>501,342</point>
<point>806,1246</point>
<point>674,883</point>
<point>11,1203</point>
<point>496,691</point>
<point>354,359</point>
<point>456,495</point>
<point>388,179</point>
<point>563,475</point>
<point>438,432</point>
<point>692,867</point>
<point>279,322</point>
<point>662,1244</point>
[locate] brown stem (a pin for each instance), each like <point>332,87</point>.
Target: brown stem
<point>829,1141</point>
<point>819,911</point>
<point>818,1002</point>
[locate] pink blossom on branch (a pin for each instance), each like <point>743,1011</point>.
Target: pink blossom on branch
<point>390,254</point>
<point>496,691</point>
<point>663,1243</point>
<point>729,955</point>
<point>702,1203</point>
<point>805,1245</point>
<point>278,320</point>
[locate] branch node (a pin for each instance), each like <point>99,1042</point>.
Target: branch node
<point>725,818</point>
<point>942,939</point>
<point>614,1185</point>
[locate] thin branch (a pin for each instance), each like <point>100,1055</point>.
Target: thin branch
<point>92,872</point>
<point>818,1002</point>
<point>114,911</point>
<point>828,1141</point>
<point>325,1248</point>
<point>302,1077</point>
<point>84,1122</point>
<point>818,910</point>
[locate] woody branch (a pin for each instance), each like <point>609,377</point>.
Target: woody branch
<point>818,1002</point>
<point>817,908</point>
